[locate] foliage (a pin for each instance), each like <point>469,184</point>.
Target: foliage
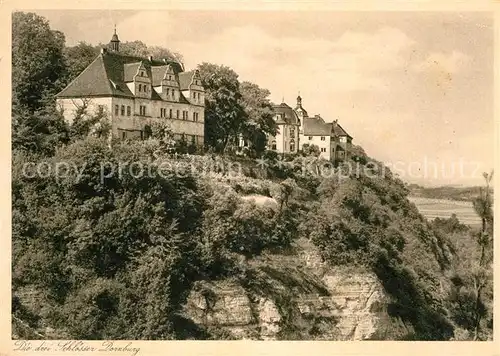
<point>224,114</point>
<point>38,67</point>
<point>78,57</point>
<point>471,296</point>
<point>310,150</point>
<point>259,113</point>
<point>39,132</point>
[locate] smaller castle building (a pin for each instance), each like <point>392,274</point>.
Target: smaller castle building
<point>296,128</point>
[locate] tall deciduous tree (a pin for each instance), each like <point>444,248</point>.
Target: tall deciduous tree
<point>259,111</point>
<point>224,114</point>
<point>37,60</point>
<point>140,49</point>
<point>78,58</point>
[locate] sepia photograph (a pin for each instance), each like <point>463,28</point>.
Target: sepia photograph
<point>250,175</point>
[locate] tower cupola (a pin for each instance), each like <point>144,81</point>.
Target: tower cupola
<point>115,42</point>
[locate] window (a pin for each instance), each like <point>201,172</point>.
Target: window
<point>124,135</point>
<point>173,93</point>
<point>322,138</point>
<point>170,114</point>
<point>194,117</point>
<point>273,146</point>
<point>177,114</point>
<point>140,87</point>
<point>323,149</point>
<point>292,131</point>
<point>292,147</point>
<point>168,91</point>
<point>100,108</point>
<point>117,109</point>
<point>128,110</point>
<point>142,110</point>
<point>123,110</point>
<point>163,112</point>
<point>310,138</point>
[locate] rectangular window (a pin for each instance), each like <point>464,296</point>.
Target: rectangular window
<point>140,87</point>
<point>310,138</point>
<point>173,93</point>
<point>322,138</point>
<point>142,110</point>
<point>124,135</point>
<point>323,149</point>
<point>194,117</point>
<point>170,114</point>
<point>177,114</point>
<point>168,91</point>
<point>123,110</point>
<point>117,109</point>
<point>128,110</point>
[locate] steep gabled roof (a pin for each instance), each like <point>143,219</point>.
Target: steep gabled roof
<point>315,126</point>
<point>185,79</point>
<point>130,70</point>
<point>93,81</point>
<point>339,131</point>
<point>108,73</point>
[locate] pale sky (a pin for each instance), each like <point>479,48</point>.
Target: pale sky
<point>414,89</point>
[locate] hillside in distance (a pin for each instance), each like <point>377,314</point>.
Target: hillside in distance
<point>446,192</point>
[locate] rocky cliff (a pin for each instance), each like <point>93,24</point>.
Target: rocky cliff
<point>292,295</point>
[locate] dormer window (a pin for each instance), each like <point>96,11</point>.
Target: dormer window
<point>140,87</point>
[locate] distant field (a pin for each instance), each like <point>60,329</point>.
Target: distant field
<point>440,208</point>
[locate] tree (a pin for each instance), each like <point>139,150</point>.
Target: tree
<point>37,61</point>
<point>310,150</point>
<point>259,112</point>
<point>38,132</point>
<point>224,114</point>
<point>483,205</point>
<point>78,58</point>
<point>140,49</point>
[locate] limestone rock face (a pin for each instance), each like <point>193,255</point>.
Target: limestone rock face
<point>298,297</point>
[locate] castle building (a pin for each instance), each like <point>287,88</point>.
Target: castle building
<point>136,92</point>
<point>296,128</point>
<point>287,136</point>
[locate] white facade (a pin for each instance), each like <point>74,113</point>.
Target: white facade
<point>325,144</point>
<point>128,121</point>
